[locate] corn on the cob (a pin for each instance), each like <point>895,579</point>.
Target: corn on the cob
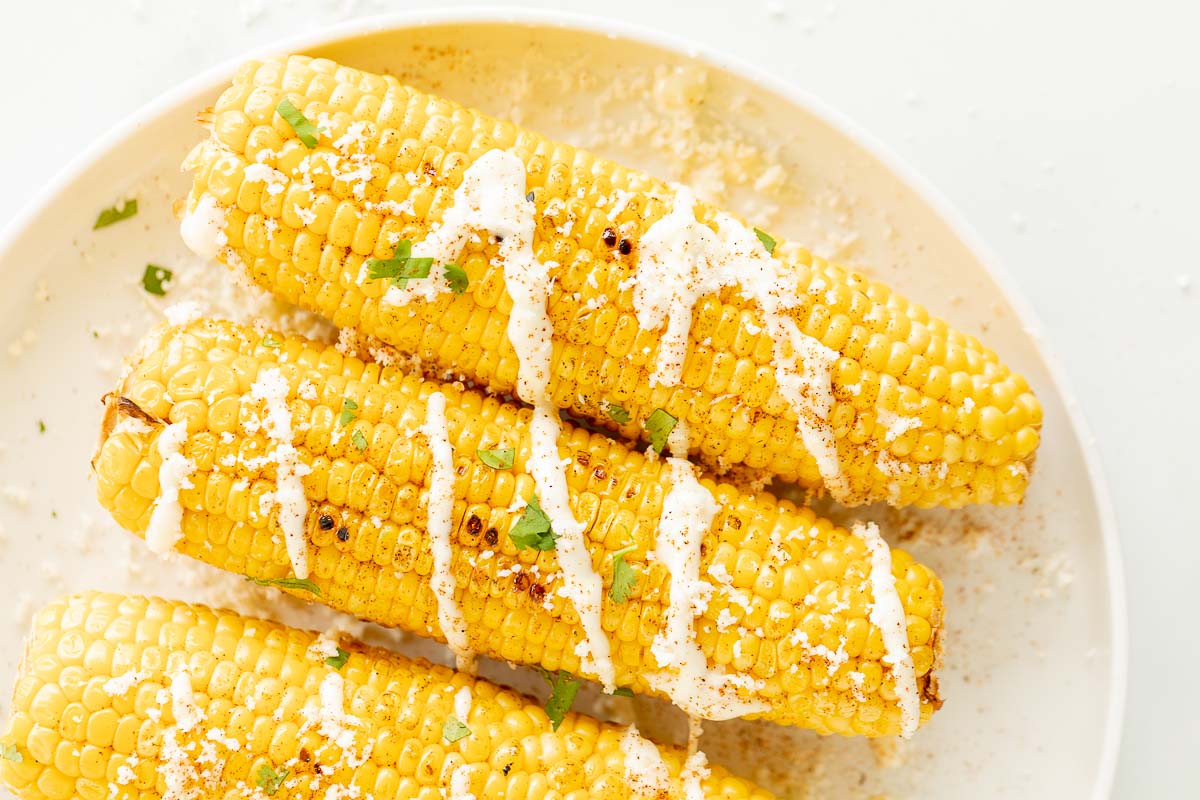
<point>127,698</point>
<point>918,413</point>
<point>791,593</point>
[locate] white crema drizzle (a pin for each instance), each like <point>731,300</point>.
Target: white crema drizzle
<point>681,260</point>
<point>887,614</point>
<point>687,514</point>
<point>272,388</point>
<point>441,506</point>
<point>492,198</point>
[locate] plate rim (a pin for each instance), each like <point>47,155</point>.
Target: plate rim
<point>617,28</point>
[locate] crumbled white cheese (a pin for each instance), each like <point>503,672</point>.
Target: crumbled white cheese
<point>323,648</point>
<point>115,687</point>
<point>895,425</point>
<point>183,313</point>
<point>183,704</point>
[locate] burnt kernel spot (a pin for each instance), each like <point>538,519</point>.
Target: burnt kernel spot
<point>629,493</point>
<point>625,248</point>
<point>325,522</point>
<point>498,238</point>
<point>305,756</point>
<point>610,237</point>
<point>460,470</point>
<point>520,582</point>
<point>506,769</point>
<point>599,474</point>
<point>429,169</point>
<point>343,534</point>
<point>735,523</point>
<point>491,536</point>
<point>583,458</point>
<point>537,592</point>
<point>474,525</point>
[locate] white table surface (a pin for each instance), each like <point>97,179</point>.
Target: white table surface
<point>1066,133</point>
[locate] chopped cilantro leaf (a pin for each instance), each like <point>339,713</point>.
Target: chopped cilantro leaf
<point>563,689</point>
<point>304,129</point>
<point>41,426</point>
<point>269,779</point>
<point>456,276</point>
<point>155,279</point>
<point>659,426</point>
<point>400,267</point>
<point>349,412</point>
<point>453,730</point>
<point>533,529</point>
<point>9,752</point>
<point>624,576</point>
<point>766,239</point>
<point>114,214</point>
<point>622,691</point>
<point>359,440</point>
<point>500,458</point>
<point>271,342</point>
<point>288,583</point>
<point>618,414</point>
<point>338,661</point>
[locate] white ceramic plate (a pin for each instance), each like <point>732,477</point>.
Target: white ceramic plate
<point>1035,660</point>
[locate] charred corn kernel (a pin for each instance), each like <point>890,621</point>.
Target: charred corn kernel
<point>370,555</point>
<point>338,731</point>
<point>302,222</point>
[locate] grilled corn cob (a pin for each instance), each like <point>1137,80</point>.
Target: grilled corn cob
<point>790,593</point>
<point>122,697</point>
<point>919,413</point>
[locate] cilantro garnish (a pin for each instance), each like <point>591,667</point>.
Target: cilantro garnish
<point>659,426</point>
<point>618,414</point>
<point>766,239</point>
<point>453,730</point>
<point>288,583</point>
<point>114,214</point>
<point>624,576</point>
<point>533,529</point>
<point>401,267</point>
<point>338,661</point>
<point>269,779</point>
<point>349,412</point>
<point>563,688</point>
<point>500,458</point>
<point>304,129</point>
<point>156,278</point>
<point>456,276</point>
